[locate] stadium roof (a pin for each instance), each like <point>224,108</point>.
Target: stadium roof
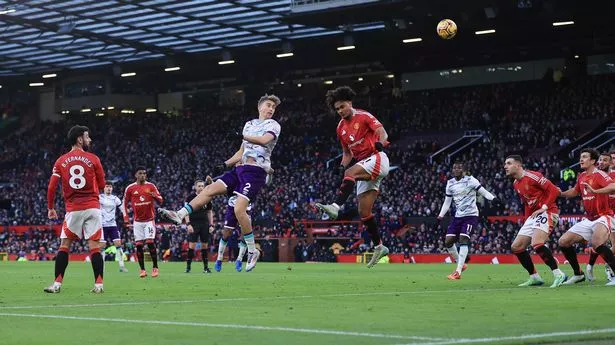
<point>50,35</point>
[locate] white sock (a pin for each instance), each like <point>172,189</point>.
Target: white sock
<point>336,205</point>
<point>249,238</point>
<point>57,285</point>
<point>120,256</point>
<point>242,251</point>
<point>557,272</point>
<point>98,285</point>
<point>221,249</point>
<point>182,213</point>
<point>535,275</point>
<point>453,252</point>
<point>463,253</point>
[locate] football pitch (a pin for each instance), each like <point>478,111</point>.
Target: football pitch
<point>307,304</point>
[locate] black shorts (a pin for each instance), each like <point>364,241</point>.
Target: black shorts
<point>200,232</point>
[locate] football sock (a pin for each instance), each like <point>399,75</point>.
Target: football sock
<point>204,256</point>
<point>120,256</point>
<point>546,255</point>
<point>571,255</point>
<point>593,256</point>
<point>97,265</point>
<point>189,259</point>
<point>140,255</point>
<point>184,211</point>
<point>221,249</point>
<point>242,251</point>
<point>372,229</point>
<point>61,263</point>
<point>526,261</point>
<point>249,238</point>
<point>452,250</point>
<point>345,190</point>
<point>606,254</point>
<point>152,252</point>
<point>463,252</point>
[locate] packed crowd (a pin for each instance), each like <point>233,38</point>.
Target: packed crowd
<point>519,117</point>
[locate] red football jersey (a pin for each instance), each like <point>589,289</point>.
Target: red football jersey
<point>536,190</point>
<point>140,195</point>
<point>612,196</point>
<point>358,134</point>
<point>82,175</point>
<point>596,205</point>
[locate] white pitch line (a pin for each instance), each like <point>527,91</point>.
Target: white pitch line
<point>519,337</point>
<point>242,299</point>
<point>218,325</point>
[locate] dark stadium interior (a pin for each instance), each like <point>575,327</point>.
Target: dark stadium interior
<point>544,118</point>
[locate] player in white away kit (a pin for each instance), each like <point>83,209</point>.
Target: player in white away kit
<point>259,139</point>
<point>109,203</point>
<point>461,190</point>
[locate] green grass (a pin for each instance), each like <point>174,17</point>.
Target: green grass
<point>311,301</point>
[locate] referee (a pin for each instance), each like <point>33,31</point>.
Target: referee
<point>200,224</point>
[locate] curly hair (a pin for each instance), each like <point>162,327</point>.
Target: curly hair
<point>342,93</point>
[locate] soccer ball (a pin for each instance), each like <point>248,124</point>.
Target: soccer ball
<point>447,29</point>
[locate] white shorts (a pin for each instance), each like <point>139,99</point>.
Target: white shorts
<point>585,228</point>
<point>544,222</point>
<point>144,230</point>
<point>82,224</point>
<point>376,165</point>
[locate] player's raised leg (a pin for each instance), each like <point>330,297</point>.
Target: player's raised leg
<point>519,248</point>
<point>202,199</point>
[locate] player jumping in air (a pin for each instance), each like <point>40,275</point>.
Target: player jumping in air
<point>142,195</point>
<point>259,139</point>
<point>592,185</point>
<point>538,195</point>
<point>461,190</point>
<point>363,138</point>
<point>108,206</point>
<point>82,175</point>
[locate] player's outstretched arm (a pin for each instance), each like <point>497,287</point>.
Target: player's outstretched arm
<point>484,192</point>
<point>610,189</point>
<point>570,193</point>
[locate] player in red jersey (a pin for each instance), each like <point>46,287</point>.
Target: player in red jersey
<point>596,226</point>
<point>604,164</point>
<point>82,175</point>
<point>363,138</point>
<point>142,195</point>
<point>538,195</point>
